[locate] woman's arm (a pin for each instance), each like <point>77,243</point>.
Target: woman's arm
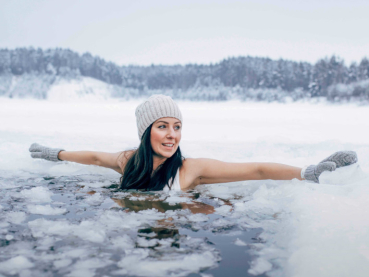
<point>114,161</point>
<point>277,171</point>
<point>209,171</point>
<point>109,160</point>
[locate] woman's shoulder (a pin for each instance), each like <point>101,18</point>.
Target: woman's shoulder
<point>190,173</point>
<point>123,158</point>
<point>189,162</point>
<point>192,166</point>
<point>194,162</point>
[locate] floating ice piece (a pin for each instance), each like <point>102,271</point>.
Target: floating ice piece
<point>137,264</point>
<point>9,185</point>
<point>76,253</point>
<point>45,210</point>
<point>344,175</point>
<point>37,194</point>
<point>16,217</point>
<point>95,199</point>
<point>118,220</point>
<point>259,266</point>
<point>198,217</point>
<point>223,210</point>
<point>15,265</point>
<point>46,243</point>
<point>87,267</point>
<point>3,225</point>
<point>62,263</point>
<point>175,198</point>
<point>240,242</point>
<point>143,242</point>
<point>95,184</point>
<point>206,275</point>
<point>124,242</point>
<point>87,230</point>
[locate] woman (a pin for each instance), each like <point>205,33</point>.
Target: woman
<point>157,164</point>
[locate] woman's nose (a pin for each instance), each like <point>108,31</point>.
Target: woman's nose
<point>171,133</point>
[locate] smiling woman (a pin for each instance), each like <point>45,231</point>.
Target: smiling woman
<point>158,164</point>
<point>165,137</point>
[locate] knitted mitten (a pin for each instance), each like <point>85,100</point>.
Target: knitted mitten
<point>41,152</point>
<point>313,172</point>
<point>342,158</point>
<point>336,160</point>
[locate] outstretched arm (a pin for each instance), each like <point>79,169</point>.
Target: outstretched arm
<point>276,171</point>
<point>109,160</point>
<point>208,171</point>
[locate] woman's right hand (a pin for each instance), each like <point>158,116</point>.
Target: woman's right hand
<point>42,152</point>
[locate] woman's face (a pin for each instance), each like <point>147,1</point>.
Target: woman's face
<point>165,136</point>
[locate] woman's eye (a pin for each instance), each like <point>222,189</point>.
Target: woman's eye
<point>177,127</point>
<point>161,127</point>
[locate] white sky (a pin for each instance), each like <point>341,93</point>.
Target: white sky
<point>187,31</point>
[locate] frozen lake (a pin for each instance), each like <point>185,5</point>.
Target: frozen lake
<point>66,219</point>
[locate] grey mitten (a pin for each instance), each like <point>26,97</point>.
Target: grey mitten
<point>41,152</point>
<point>342,158</point>
<point>336,160</point>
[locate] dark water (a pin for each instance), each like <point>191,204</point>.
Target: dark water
<point>82,240</point>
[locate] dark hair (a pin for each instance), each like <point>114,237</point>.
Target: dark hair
<point>138,170</point>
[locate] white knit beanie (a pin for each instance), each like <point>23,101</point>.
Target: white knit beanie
<point>155,107</point>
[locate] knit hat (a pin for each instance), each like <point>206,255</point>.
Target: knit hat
<point>155,107</point>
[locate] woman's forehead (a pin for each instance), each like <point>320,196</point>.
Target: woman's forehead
<point>168,120</point>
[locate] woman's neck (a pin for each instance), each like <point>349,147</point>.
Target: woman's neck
<point>157,161</point>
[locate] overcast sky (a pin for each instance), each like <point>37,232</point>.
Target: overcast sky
<point>186,31</point>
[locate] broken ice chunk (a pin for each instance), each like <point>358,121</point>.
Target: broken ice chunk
<point>45,210</point>
<point>37,194</point>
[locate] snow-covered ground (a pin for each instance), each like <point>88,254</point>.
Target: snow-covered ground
<point>50,224</point>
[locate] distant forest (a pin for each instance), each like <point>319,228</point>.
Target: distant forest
<point>244,78</point>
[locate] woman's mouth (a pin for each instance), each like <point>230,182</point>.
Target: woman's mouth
<point>168,145</point>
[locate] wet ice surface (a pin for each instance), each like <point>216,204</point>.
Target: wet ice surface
<point>65,219</point>
<point>72,230</point>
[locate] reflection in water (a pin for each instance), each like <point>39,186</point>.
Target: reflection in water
<point>140,205</point>
<point>159,233</point>
<point>150,202</point>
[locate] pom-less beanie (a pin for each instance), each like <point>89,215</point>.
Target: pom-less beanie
<point>155,107</point>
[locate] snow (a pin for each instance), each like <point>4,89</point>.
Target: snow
<point>82,89</point>
<point>240,242</point>
<point>37,194</point>
<point>179,266</point>
<point>15,217</point>
<point>308,229</point>
<point>45,210</point>
<point>15,265</point>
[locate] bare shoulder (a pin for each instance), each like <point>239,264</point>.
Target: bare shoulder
<point>123,158</point>
<point>190,171</point>
<point>192,163</point>
<point>196,163</point>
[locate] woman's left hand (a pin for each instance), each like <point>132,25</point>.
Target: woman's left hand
<point>336,160</point>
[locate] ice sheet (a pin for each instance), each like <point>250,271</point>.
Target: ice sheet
<point>51,220</point>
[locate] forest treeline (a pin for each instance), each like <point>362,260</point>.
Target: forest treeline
<point>243,77</point>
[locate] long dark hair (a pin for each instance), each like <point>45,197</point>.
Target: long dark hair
<point>138,170</point>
